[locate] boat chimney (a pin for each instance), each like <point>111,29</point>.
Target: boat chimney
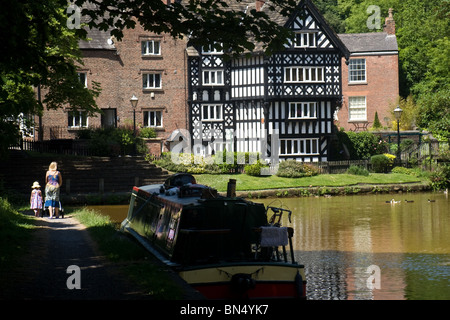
<point>231,188</point>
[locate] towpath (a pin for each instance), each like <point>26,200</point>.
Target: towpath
<point>43,272</point>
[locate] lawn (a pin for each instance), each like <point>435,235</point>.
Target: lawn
<point>245,182</point>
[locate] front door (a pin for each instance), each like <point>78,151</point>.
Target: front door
<point>109,118</point>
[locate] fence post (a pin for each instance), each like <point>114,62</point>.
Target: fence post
<point>101,185</point>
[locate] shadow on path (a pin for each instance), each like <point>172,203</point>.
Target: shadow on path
<point>56,245</point>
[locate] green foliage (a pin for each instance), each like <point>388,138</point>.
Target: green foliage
<point>109,141</point>
<point>362,145</point>
<point>186,162</point>
<point>434,112</point>
<point>295,169</point>
<point>376,122</point>
<point>403,170</point>
<point>357,170</point>
<point>254,169</point>
<point>440,178</point>
<point>380,163</point>
<point>147,133</point>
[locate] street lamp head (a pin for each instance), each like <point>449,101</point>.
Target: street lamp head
<point>134,101</point>
<point>398,113</point>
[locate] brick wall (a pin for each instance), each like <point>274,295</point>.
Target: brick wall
<point>381,89</point>
<point>119,73</point>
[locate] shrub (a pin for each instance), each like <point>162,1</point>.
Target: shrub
<point>404,170</point>
<point>295,169</point>
<point>380,163</point>
<point>147,133</point>
<point>440,178</point>
<point>254,169</point>
<point>361,145</point>
<point>357,170</point>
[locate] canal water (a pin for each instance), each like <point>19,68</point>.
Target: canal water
<point>360,247</point>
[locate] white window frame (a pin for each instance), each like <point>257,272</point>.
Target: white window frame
<point>302,110</point>
<point>304,74</point>
<point>77,119</point>
<point>149,80</point>
<point>211,77</point>
<point>357,108</point>
<point>210,49</point>
<point>80,77</point>
<point>305,40</point>
<point>148,47</point>
<point>150,118</point>
<point>357,71</point>
<point>212,112</point>
<point>299,147</point>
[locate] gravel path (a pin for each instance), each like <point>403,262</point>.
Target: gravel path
<point>56,245</point>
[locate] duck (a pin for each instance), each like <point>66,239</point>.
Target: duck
<point>393,201</point>
<point>431,200</point>
<point>409,201</point>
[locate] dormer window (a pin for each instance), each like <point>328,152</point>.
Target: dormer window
<point>210,49</point>
<point>305,40</point>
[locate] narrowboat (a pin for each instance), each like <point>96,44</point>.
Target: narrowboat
<point>225,247</point>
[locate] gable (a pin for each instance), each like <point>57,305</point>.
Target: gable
<point>307,18</point>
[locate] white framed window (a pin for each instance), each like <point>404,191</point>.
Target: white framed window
<point>213,77</point>
<point>305,40</point>
<point>210,49</point>
<point>151,81</point>
<point>357,71</point>
<point>296,147</point>
<point>303,74</point>
<point>212,112</point>
<point>77,119</point>
<point>153,119</point>
<point>302,110</point>
<point>83,78</point>
<point>357,109</point>
<point>151,47</point>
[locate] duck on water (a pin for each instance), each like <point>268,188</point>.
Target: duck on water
<point>224,247</point>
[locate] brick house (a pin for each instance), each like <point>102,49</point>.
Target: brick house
<point>148,66</point>
<point>370,80</point>
<point>158,70</point>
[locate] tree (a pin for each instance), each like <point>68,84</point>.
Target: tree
<point>38,50</point>
<point>229,25</point>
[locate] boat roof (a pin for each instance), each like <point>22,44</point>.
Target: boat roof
<point>154,189</point>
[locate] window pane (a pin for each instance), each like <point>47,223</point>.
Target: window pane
<point>145,80</point>
<point>158,115</point>
<point>156,47</point>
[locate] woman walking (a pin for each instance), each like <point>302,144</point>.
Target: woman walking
<point>54,181</point>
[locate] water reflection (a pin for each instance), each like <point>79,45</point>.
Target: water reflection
<point>339,238</point>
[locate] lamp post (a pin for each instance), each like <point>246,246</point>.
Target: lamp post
<point>134,102</point>
<point>398,114</point>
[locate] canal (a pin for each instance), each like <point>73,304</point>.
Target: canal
<point>360,247</point>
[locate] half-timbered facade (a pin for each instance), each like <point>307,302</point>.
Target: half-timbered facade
<point>280,106</point>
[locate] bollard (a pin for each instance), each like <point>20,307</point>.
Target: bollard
<point>231,188</point>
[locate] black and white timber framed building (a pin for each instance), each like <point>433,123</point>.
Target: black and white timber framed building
<point>281,106</point>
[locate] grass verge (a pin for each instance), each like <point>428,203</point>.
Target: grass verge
<point>249,183</point>
<point>133,259</point>
<point>15,233</point>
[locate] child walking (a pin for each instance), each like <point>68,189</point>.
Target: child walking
<point>36,199</point>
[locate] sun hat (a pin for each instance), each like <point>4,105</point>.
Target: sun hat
<point>35,185</point>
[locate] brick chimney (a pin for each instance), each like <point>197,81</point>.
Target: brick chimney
<point>389,24</point>
<point>259,4</point>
